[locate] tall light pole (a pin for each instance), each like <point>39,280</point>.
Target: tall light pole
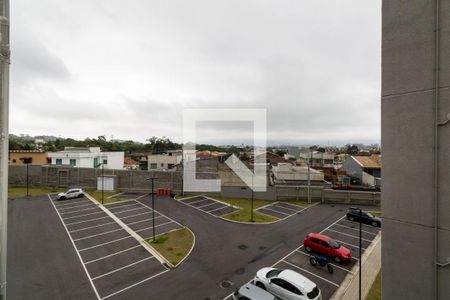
<point>360,246</point>
<point>253,197</point>
<point>309,177</point>
<point>4,140</point>
<point>153,178</point>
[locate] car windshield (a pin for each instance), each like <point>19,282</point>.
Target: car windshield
<point>273,273</point>
<point>334,244</point>
<point>369,215</point>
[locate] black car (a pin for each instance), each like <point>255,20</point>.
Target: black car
<point>366,217</point>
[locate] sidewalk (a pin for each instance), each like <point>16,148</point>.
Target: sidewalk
<point>371,265</point>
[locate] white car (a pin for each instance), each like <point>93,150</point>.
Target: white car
<point>251,292</point>
<point>72,193</point>
<point>287,284</point>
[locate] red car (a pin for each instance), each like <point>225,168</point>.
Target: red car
<point>325,245</point>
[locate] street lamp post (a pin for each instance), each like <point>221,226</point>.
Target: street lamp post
<point>360,247</point>
<point>153,178</point>
<point>253,198</point>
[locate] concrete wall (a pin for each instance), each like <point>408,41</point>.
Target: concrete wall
<point>408,118</point>
<point>352,168</point>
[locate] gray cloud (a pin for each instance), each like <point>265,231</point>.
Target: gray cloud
<point>130,70</point>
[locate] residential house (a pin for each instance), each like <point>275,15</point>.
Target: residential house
<point>287,173</point>
<point>130,164</point>
<point>318,160</point>
<point>367,169</point>
<point>87,157</point>
<point>22,157</point>
<point>165,161</point>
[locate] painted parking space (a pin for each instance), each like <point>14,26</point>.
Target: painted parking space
<point>344,232</point>
<point>114,261</point>
<point>347,234</point>
<point>140,218</point>
<point>209,205</point>
<point>281,210</point>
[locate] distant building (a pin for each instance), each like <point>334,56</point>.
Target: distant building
<point>22,157</point>
<point>318,159</point>
<point>130,164</point>
<point>87,157</point>
<point>367,169</point>
<point>166,161</point>
<point>287,173</point>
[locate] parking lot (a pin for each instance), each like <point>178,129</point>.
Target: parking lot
<point>281,210</point>
<point>346,233</point>
<point>210,206</point>
<point>139,217</point>
<point>113,260</point>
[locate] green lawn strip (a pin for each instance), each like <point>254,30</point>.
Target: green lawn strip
<point>174,245</point>
<point>16,192</point>
<point>97,195</point>
<point>375,290</point>
<point>243,215</point>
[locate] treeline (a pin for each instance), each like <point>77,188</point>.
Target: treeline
<point>152,145</point>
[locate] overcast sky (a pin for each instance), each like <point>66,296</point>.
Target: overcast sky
<point>128,68</point>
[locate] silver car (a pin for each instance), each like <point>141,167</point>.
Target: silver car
<point>70,194</point>
<point>250,291</point>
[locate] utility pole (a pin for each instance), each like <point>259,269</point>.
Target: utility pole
<point>4,139</point>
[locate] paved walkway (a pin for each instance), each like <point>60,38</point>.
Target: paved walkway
<point>371,265</point>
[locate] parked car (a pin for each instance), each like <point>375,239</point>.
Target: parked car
<point>250,291</point>
<point>70,194</point>
<point>366,217</point>
<point>322,244</point>
<point>287,284</point>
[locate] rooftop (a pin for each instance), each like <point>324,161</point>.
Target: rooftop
<point>373,161</point>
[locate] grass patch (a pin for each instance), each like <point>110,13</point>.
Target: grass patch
<point>174,245</point>
<point>97,195</point>
<point>243,215</point>
<point>16,192</point>
<point>375,290</point>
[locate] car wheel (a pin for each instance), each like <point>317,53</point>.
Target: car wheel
<point>80,196</point>
<point>62,198</point>
<point>375,224</point>
<point>308,249</point>
<point>260,285</point>
<point>351,218</point>
<point>337,259</point>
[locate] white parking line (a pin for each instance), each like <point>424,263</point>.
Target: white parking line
<point>96,213</point>
<point>98,234</point>
<point>152,226</point>
<point>356,229</point>
<point>200,207</point>
<point>146,220</point>
<point>356,237</point>
<point>76,250</point>
<point>76,202</point>
<point>349,244</point>
<point>119,212</point>
<point>99,245</point>
<point>216,209</point>
<point>279,212</point>
<point>71,212</point>
<point>140,214</point>
<point>87,221</point>
<point>336,266</point>
<point>320,277</point>
<point>128,204</point>
<point>294,210</point>
<point>82,205</point>
<point>109,255</point>
<point>85,228</point>
<point>198,201</point>
<point>124,267</point>
<point>135,284</point>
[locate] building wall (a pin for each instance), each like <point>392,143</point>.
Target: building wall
<point>38,158</point>
<point>352,168</point>
<point>162,161</point>
<point>408,127</point>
